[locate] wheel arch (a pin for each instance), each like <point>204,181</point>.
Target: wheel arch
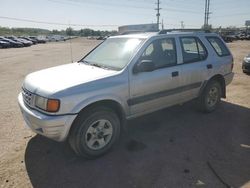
<point>109,103</point>
<point>220,79</point>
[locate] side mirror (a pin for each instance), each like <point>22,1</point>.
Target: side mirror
<point>144,66</point>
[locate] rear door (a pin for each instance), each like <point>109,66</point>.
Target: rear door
<point>195,66</point>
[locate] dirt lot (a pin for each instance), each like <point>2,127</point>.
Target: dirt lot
<point>169,148</point>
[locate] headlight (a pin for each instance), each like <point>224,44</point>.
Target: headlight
<point>247,59</point>
<point>49,105</point>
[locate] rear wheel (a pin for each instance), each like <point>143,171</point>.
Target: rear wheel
<point>94,132</point>
<point>211,97</point>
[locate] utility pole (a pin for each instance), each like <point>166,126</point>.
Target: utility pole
<point>207,12</point>
<point>162,25</point>
<point>182,25</point>
<point>205,16</point>
<point>158,14</point>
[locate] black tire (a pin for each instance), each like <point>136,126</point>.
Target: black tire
<point>205,104</point>
<point>78,138</point>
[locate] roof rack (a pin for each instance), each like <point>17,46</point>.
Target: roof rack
<point>165,31</point>
<point>136,32</point>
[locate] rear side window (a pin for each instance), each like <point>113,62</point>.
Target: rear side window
<point>192,49</point>
<point>218,46</point>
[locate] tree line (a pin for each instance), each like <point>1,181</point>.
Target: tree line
<point>69,32</point>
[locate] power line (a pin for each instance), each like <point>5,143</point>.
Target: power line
<point>53,23</point>
<point>112,4</point>
<point>235,14</point>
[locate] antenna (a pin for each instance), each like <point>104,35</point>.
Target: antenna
<point>71,53</point>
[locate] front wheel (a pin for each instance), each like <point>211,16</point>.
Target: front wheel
<point>211,97</point>
<point>94,132</point>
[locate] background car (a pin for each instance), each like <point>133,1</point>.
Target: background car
<point>55,38</point>
<point>13,43</point>
<point>39,40</point>
<point>4,44</point>
<point>29,39</point>
<point>246,64</point>
<point>25,42</point>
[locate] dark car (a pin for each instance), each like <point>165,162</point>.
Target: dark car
<point>4,44</point>
<point>39,40</point>
<point>100,38</point>
<point>29,39</point>
<point>12,43</point>
<point>25,42</point>
<point>248,37</point>
<point>246,64</point>
<point>228,38</point>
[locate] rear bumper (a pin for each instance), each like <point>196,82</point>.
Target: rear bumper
<point>51,126</point>
<point>228,78</point>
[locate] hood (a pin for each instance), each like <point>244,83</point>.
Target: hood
<point>49,81</point>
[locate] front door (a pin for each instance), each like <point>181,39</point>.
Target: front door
<point>150,91</point>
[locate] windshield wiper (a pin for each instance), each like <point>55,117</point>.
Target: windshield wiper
<point>96,65</point>
<point>84,61</point>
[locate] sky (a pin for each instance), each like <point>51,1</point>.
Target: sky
<point>108,15</point>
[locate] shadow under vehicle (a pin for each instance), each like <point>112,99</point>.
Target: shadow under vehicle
<point>168,148</point>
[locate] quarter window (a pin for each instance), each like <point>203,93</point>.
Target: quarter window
<point>218,46</point>
<point>192,49</point>
<point>162,52</point>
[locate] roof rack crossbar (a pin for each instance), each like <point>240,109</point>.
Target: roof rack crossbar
<point>165,31</point>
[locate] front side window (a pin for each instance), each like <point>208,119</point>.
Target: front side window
<point>218,46</point>
<point>162,52</point>
<point>192,49</point>
<point>114,53</point>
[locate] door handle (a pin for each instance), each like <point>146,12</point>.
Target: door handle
<point>174,74</point>
<point>209,66</point>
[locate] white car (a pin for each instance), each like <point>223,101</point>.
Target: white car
<point>88,102</point>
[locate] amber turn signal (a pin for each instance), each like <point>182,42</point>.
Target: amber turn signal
<point>53,105</point>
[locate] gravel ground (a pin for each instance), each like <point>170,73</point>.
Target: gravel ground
<point>175,147</point>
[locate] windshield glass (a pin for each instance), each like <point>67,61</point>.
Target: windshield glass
<point>113,53</point>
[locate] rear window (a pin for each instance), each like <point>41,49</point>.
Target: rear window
<point>218,46</point>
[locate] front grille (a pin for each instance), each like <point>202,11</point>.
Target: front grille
<point>27,97</point>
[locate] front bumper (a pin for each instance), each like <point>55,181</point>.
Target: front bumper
<point>246,67</point>
<point>55,127</point>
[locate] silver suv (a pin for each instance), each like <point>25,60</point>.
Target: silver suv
<point>88,102</point>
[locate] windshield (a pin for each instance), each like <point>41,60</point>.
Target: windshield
<point>113,53</point>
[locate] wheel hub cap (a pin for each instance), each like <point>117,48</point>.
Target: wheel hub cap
<point>212,96</point>
<point>99,134</point>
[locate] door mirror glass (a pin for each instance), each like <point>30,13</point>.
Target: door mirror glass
<point>144,66</point>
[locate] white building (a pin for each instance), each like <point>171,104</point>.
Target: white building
<point>138,28</point>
